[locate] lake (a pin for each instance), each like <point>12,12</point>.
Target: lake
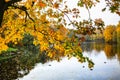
<point>33,66</point>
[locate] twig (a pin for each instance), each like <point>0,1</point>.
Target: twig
<point>89,14</point>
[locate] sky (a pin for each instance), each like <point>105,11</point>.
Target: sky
<point>107,16</point>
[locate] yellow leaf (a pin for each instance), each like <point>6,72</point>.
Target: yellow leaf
<point>44,45</point>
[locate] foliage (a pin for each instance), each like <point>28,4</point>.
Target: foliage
<point>108,33</point>
<point>112,33</point>
<point>45,33</point>
<point>118,33</point>
<point>114,37</point>
<point>113,5</point>
<point>45,25</point>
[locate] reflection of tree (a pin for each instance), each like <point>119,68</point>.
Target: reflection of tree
<point>9,70</point>
<point>98,46</point>
<point>118,52</point>
<point>109,51</point>
<point>86,47</point>
<point>17,66</point>
<point>92,46</point>
<point>20,65</point>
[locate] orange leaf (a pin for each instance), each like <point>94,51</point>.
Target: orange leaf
<point>41,4</point>
<point>56,5</point>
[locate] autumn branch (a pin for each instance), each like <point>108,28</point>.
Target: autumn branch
<point>23,8</point>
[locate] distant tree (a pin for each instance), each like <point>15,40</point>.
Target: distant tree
<point>108,33</point>
<point>118,33</point>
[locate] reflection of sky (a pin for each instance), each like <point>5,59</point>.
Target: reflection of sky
<point>73,70</point>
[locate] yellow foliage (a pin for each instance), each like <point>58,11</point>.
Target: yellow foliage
<point>51,54</point>
<point>44,45</point>
<point>108,33</point>
<point>118,27</point>
<point>59,36</point>
<point>42,23</point>
<point>3,47</point>
<point>68,51</point>
<point>35,42</point>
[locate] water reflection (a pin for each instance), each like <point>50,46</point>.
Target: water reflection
<point>19,65</point>
<point>111,50</point>
<point>73,70</point>
<point>23,66</point>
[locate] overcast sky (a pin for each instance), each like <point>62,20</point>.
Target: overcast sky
<point>107,16</point>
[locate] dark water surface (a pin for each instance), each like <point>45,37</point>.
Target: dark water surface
<point>32,67</point>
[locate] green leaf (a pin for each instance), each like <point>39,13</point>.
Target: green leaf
<point>103,9</point>
<point>80,4</point>
<point>11,49</point>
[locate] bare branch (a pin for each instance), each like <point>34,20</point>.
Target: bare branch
<point>89,14</point>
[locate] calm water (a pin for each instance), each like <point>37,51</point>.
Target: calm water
<point>34,67</point>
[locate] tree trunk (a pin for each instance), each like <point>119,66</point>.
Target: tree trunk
<point>4,6</point>
<point>2,3</point>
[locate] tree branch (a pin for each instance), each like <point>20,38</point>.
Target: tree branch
<point>13,1</point>
<point>89,14</point>
<point>64,14</point>
<point>23,8</point>
<point>4,6</point>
